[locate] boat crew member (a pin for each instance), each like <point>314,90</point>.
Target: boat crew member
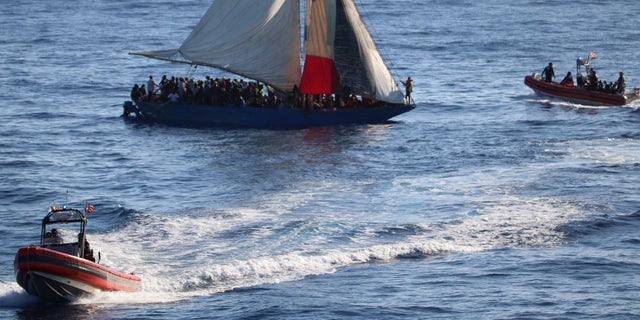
<point>88,252</point>
<point>55,237</point>
<point>408,88</point>
<point>568,80</point>
<point>593,79</point>
<point>548,73</point>
<point>621,84</point>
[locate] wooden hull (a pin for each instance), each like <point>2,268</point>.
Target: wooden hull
<point>577,94</point>
<point>57,277</point>
<point>238,116</point>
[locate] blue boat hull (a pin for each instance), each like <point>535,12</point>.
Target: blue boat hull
<point>239,116</point>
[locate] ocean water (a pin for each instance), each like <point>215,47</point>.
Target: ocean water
<point>484,202</point>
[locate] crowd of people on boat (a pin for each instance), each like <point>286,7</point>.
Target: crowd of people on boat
<point>590,82</point>
<point>218,91</point>
<point>224,91</point>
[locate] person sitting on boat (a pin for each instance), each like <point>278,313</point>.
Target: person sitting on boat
<point>568,80</point>
<point>142,92</point>
<point>135,92</point>
<point>548,73</point>
<point>53,237</point>
<point>621,84</point>
<point>173,96</point>
<point>88,252</point>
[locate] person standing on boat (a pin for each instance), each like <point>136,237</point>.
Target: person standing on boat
<point>592,78</point>
<point>568,80</point>
<point>548,73</point>
<point>152,86</point>
<point>621,84</point>
<point>408,88</point>
<point>88,252</point>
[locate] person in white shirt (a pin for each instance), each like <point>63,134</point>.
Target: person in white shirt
<point>152,86</point>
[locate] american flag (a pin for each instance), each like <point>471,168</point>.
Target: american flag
<point>89,208</point>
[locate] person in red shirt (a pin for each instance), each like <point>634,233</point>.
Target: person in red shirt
<point>568,80</point>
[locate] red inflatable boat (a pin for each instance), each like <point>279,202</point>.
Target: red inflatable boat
<point>589,89</point>
<point>577,94</point>
<point>62,268</point>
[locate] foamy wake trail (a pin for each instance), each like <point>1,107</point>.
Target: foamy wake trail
<point>517,223</point>
<point>295,266</point>
<point>174,268</point>
<point>514,223</point>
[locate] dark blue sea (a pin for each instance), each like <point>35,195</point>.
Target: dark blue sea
<point>485,202</point>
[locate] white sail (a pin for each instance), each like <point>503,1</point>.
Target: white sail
<point>259,39</point>
<point>360,65</point>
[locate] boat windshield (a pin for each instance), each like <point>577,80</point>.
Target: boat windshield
<point>61,229</point>
<point>57,235</point>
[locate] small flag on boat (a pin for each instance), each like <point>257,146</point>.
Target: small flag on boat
<point>593,55</point>
<point>89,208</point>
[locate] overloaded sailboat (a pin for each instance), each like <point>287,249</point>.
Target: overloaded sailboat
<point>344,79</point>
<point>588,90</point>
<point>62,267</point>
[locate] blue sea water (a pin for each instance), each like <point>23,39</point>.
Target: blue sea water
<point>485,202</point>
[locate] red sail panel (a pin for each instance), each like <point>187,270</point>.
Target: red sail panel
<point>320,76</point>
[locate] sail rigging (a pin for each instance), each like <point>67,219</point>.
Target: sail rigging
<point>360,64</point>
<point>260,39</point>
